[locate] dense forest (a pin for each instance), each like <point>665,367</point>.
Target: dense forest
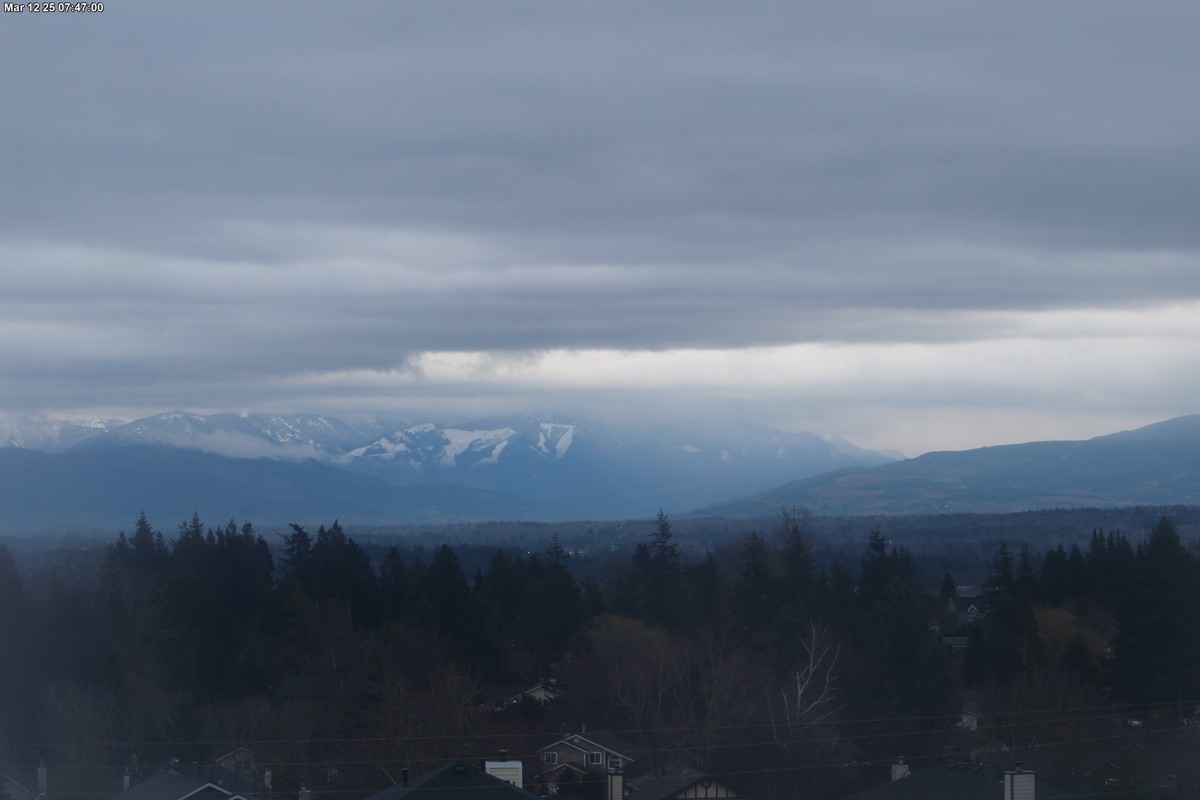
<point>785,665</point>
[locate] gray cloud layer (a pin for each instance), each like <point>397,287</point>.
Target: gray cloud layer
<point>200,206</point>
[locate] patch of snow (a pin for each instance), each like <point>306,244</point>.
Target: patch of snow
<point>725,456</point>
<point>458,441</point>
<point>691,448</point>
<point>566,435</point>
<point>384,449</point>
<point>494,457</point>
<point>781,453</point>
<point>564,441</point>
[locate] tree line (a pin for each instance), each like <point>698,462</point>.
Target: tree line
<point>756,659</point>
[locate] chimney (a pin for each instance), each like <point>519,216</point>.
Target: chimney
<point>404,776</point>
<point>125,779</point>
<point>41,778</point>
<point>305,792</point>
<point>616,785</point>
<point>901,770</point>
<point>267,780</point>
<point>1019,784</point>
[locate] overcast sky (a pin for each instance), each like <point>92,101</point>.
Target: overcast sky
<point>915,225</point>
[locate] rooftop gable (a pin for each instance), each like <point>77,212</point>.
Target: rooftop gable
<point>454,781</point>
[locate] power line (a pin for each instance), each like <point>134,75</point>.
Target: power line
<point>681,748</point>
<point>1112,711</point>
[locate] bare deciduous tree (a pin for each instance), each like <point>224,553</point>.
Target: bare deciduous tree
<point>811,698</point>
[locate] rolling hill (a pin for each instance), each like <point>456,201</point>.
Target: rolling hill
<point>1155,465</point>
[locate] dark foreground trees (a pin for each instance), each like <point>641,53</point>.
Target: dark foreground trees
<point>753,659</point>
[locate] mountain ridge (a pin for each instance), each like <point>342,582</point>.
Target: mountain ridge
<point>595,471</point>
<point>541,468</point>
<point>1157,464</point>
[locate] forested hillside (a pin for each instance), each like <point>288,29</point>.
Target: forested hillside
<point>787,673</point>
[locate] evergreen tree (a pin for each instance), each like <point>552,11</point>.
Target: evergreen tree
<point>342,573</point>
<point>449,609</point>
<point>914,678</point>
<point>551,610</point>
<point>662,576</point>
<point>798,571</point>
<point>1157,649</point>
<point>1026,578</point>
<point>17,689</point>
<point>975,658</point>
<point>1012,635</point>
<point>705,590</point>
<point>297,562</point>
<point>1076,574</point>
<point>394,584</point>
<point>1003,573</point>
<point>949,590</point>
<point>1055,579</point>
<point>664,551</point>
<point>753,601</point>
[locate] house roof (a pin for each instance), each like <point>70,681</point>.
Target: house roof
<point>968,782</point>
<point>603,739</point>
<point>510,691</point>
<point>171,785</point>
<point>209,783</point>
<point>219,751</point>
<point>455,781</point>
<point>962,605</point>
<point>650,787</point>
<point>20,786</point>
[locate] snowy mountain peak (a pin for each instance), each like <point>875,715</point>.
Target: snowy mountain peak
<point>33,432</point>
<point>427,446</point>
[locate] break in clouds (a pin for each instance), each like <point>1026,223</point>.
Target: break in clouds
<point>920,227</point>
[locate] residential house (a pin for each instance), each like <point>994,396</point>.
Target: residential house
<point>19,786</point>
<point>454,781</point>
<point>626,770</point>
<point>966,610</point>
<point>974,781</point>
<point>680,782</point>
<point>596,751</point>
<point>190,782</point>
<point>499,698</point>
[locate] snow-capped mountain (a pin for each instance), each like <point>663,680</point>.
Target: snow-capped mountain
<point>286,437</point>
<point>588,470</point>
<point>424,448</point>
<point>49,435</point>
<point>601,471</point>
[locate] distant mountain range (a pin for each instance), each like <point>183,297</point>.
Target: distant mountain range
<point>272,469</point>
<point>1155,465</point>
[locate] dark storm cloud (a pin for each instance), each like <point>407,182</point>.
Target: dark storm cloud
<point>647,134</point>
<point>199,201</point>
